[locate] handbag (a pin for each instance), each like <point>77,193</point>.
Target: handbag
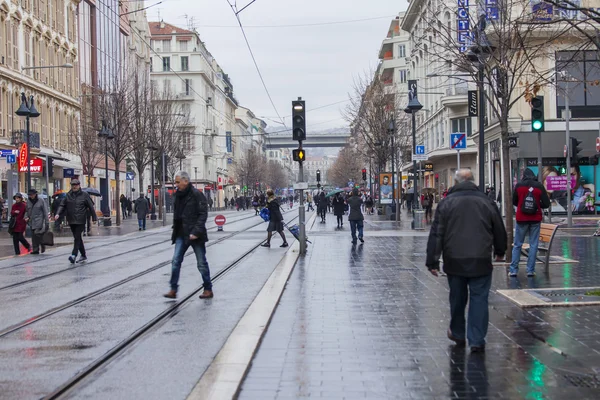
<point>48,238</point>
<point>12,222</point>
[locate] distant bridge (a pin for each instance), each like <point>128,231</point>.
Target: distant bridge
<point>278,141</point>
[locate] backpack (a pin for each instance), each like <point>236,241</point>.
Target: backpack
<point>529,205</point>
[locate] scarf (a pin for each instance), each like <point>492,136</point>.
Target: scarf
<point>179,196</point>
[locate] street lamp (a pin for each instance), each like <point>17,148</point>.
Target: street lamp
<point>181,157</point>
<point>106,134</point>
<point>412,108</point>
<point>28,111</point>
<point>476,54</point>
<point>152,150</point>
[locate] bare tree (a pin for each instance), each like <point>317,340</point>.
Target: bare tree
<point>347,167</point>
<point>86,141</point>
<point>513,50</point>
<point>250,169</point>
<point>275,177</point>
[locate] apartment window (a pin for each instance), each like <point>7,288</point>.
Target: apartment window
<point>401,51</point>
<point>166,64</point>
<point>166,46</point>
<point>151,64</point>
<point>403,75</point>
<point>185,109</point>
<point>185,63</point>
<point>582,71</point>
<point>183,45</point>
<point>187,86</point>
<point>459,125</point>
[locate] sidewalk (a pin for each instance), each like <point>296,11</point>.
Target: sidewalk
<point>369,321</point>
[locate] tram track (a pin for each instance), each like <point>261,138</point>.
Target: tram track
<point>94,245</point>
<point>96,261</point>
<point>141,332</point>
<point>55,310</point>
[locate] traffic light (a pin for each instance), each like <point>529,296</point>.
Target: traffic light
<point>364,174</point>
<point>575,150</point>
<point>537,114</point>
<point>299,155</point>
<point>318,175</point>
<point>298,120</point>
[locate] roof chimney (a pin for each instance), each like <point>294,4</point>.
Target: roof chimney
<point>162,24</point>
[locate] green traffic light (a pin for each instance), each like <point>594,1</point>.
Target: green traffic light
<point>537,125</point>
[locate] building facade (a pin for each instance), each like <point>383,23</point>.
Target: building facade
<point>34,34</point>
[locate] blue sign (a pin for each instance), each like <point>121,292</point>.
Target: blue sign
<point>542,11</point>
<point>228,142</point>
<point>5,153</point>
<point>458,141</point>
<point>68,172</point>
<point>129,176</point>
<point>463,25</point>
<point>11,158</point>
<point>420,149</point>
<point>230,160</point>
<point>491,10</point>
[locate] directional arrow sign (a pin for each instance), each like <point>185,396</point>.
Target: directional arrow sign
<point>420,149</point>
<point>458,141</point>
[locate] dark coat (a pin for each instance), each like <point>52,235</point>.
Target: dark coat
<point>193,208</point>
<point>38,215</point>
<point>354,202</point>
<point>322,202</point>
<point>76,205</point>
<point>338,206</point>
<point>274,210</point>
<point>466,227</point>
<point>20,224</point>
<point>141,208</point>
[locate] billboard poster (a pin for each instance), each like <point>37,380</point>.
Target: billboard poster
<point>385,188</point>
<point>583,189</point>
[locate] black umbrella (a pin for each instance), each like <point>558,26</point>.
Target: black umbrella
<point>92,191</point>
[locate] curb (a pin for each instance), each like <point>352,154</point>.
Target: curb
<point>225,375</point>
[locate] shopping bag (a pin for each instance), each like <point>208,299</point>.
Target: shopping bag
<point>48,238</point>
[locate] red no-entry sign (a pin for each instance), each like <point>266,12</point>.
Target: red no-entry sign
<point>598,145</point>
<point>220,220</point>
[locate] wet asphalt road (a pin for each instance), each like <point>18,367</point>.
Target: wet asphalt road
<point>40,357</point>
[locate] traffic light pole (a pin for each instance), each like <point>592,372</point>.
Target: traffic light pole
<point>568,134</point>
<point>301,211</point>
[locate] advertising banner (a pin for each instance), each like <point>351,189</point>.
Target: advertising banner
<point>385,188</point>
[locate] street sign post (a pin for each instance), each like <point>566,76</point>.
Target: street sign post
<point>6,153</point>
<point>458,141</point>
<point>419,153</point>
<point>129,176</point>
<point>220,221</point>
<point>11,159</point>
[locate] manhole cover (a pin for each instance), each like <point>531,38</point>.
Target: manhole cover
<point>572,295</point>
<point>585,381</point>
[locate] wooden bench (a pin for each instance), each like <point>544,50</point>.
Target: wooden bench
<point>547,233</point>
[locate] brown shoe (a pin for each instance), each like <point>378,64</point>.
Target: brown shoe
<point>208,294</point>
<point>459,342</point>
<point>171,295</point>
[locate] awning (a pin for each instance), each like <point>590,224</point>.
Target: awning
<point>65,164</point>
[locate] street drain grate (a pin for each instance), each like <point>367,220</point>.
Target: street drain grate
<point>583,381</point>
<point>571,295</point>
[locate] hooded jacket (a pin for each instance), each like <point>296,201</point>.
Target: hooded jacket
<point>466,227</point>
<point>538,192</point>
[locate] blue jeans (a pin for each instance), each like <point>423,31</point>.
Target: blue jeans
<point>353,226</point>
<point>476,291</point>
<point>534,239</point>
<point>142,223</point>
<point>181,246</point>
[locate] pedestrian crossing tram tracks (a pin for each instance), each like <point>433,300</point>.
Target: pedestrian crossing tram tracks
<point>143,331</point>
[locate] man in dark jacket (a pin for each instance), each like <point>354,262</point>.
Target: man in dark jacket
<point>141,209</point>
<point>355,217</point>
<point>467,225</point>
<point>275,219</point>
<point>529,197</point>
<point>189,229</point>
<point>339,207</point>
<point>76,204</point>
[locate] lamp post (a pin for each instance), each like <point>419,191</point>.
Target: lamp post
<point>181,157</point>
<point>412,108</point>
<point>153,213</point>
<point>106,134</point>
<point>392,133</point>
<point>28,110</point>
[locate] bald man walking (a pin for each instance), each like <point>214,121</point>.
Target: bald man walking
<point>466,229</point>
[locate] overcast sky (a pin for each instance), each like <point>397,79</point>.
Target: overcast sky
<point>318,63</point>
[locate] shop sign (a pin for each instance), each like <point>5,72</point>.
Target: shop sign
<point>36,166</point>
<point>23,157</point>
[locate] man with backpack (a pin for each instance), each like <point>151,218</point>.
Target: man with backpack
<point>529,197</point>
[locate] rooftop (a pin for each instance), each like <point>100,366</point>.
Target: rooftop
<point>162,28</point>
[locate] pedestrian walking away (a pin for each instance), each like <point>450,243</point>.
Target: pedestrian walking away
<point>275,220</point>
<point>529,197</point>
<point>322,206</point>
<point>339,207</point>
<point>123,202</point>
<point>355,217</point>
<point>75,206</point>
<point>189,229</point>
<point>467,225</point>
<point>17,212</point>
<point>37,218</point>
<point>141,209</point>
<point>369,205</point>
